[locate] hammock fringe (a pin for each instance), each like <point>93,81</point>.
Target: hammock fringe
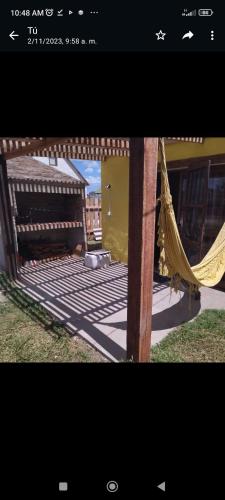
<point>173,261</point>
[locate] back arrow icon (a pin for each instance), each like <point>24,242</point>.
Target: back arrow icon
<point>188,35</point>
<point>13,34</point>
<point>162,486</point>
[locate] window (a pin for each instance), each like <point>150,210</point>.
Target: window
<point>193,207</point>
<point>216,203</point>
<point>53,161</point>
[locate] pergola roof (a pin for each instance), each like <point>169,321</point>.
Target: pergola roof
<point>83,148</point>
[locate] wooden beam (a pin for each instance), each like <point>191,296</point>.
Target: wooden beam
<point>67,155</point>
<point>8,233</point>
<point>75,146</point>
<point>47,142</point>
<point>142,207</point>
<point>100,146</point>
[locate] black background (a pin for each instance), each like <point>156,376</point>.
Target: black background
<point>143,425</point>
<point>119,26</point>
<point>112,94</point>
<point>138,424</point>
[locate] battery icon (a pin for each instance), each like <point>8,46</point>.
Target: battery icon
<point>205,12</point>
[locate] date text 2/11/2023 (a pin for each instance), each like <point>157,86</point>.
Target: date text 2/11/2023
<point>61,41</point>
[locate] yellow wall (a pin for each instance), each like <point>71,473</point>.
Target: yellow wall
<point>184,150</point>
<point>115,171</point>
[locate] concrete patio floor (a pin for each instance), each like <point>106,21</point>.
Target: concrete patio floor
<point>93,303</point>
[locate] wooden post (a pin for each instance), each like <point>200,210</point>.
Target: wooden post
<point>7,222</point>
<point>84,219</point>
<point>142,207</point>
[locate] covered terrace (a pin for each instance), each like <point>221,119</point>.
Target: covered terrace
<point>82,297</point>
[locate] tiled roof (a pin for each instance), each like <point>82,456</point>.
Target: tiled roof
<point>26,168</point>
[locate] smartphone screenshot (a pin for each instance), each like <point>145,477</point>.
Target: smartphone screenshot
<point>112,250</point>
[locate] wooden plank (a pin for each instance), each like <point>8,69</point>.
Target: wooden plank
<point>62,146</point>
<point>93,213</point>
<point>96,217</point>
<point>142,207</point>
<point>117,146</point>
<point>48,226</point>
<point>46,142</point>
<point>85,247</point>
<point>8,232</point>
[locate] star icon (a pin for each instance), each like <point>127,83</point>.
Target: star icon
<point>160,35</point>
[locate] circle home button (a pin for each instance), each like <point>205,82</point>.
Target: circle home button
<point>112,486</point>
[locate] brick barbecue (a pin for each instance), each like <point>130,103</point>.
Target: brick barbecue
<point>48,209</point>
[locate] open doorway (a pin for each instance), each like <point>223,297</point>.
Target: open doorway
<point>91,170</point>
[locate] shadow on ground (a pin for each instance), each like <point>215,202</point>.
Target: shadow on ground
<point>185,310</point>
<point>78,322</point>
<point>83,299</point>
<point>30,307</point>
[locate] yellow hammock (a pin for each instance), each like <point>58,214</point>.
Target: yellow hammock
<point>173,261</point>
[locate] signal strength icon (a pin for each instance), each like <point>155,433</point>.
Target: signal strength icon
<point>189,13</point>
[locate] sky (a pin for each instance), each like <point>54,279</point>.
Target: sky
<point>91,170</point>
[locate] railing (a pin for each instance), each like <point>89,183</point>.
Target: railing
<point>93,214</point>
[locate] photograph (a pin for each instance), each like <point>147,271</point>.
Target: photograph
<point>112,249</point>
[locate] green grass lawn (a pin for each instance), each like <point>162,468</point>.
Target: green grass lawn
<point>27,333</point>
<point>202,340</point>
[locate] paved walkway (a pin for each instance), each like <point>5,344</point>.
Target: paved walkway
<point>93,304</point>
